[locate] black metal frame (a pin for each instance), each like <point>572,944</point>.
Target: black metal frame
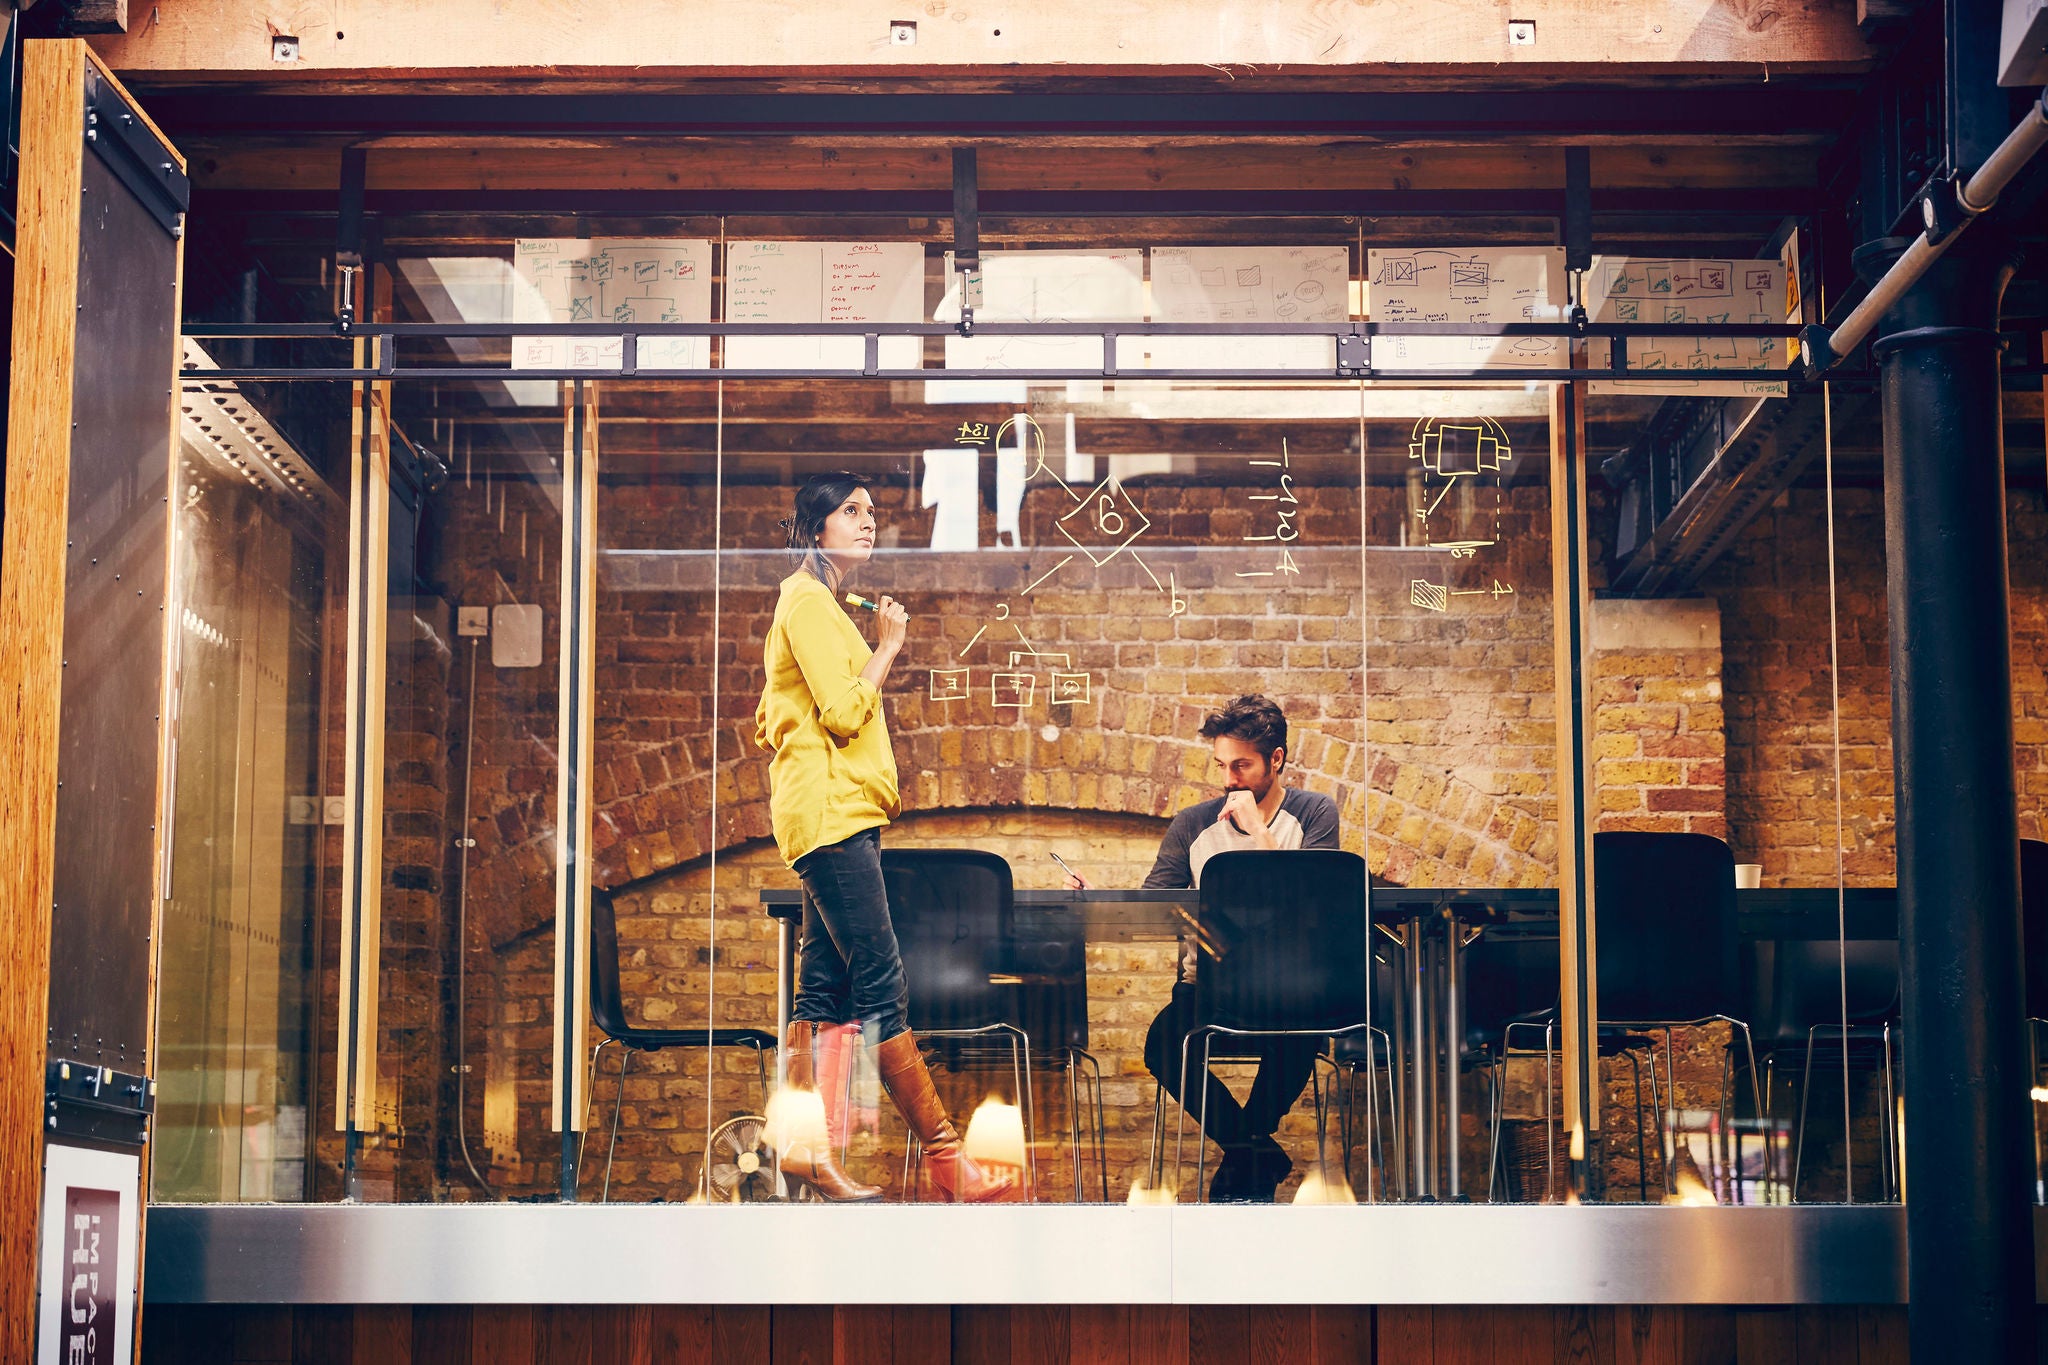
<point>1354,343</point>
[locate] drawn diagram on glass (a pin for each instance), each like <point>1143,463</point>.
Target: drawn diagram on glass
<point>1462,485</point>
<point>1104,523</point>
<point>951,684</point>
<point>1286,506</point>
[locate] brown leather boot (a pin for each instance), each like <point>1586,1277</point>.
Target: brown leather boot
<point>909,1084</point>
<point>803,1163</point>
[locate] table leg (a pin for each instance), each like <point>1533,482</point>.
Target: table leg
<point>1453,1026</point>
<point>1419,1069</point>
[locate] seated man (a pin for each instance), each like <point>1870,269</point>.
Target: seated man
<point>1254,812</point>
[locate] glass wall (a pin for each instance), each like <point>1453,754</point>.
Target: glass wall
<point>1092,567</point>
<point>253,838</point>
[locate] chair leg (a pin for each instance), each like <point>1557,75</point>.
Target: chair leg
<point>625,1064</point>
<point>1549,1142</point>
<point>1799,1129</point>
<point>1667,1115</point>
<point>1020,1075</point>
<point>590,1101</point>
<point>1074,1121</point>
<point>1886,1167</point>
<point>1157,1164</point>
<point>1642,1154</point>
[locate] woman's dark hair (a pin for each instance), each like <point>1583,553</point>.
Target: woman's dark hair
<point>819,498</point>
<point>1255,719</point>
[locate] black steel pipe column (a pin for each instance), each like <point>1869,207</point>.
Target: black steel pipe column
<point>1969,1176</point>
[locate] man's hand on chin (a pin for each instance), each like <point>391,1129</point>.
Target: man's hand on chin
<point>1241,810</point>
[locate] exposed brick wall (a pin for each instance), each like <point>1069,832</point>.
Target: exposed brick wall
<point>1659,741</point>
<point>1772,587</point>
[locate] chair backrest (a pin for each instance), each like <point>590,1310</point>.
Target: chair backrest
<point>1284,937</point>
<point>952,909</point>
<point>2034,923</point>
<point>607,1008</point>
<point>1806,978</point>
<point>1049,954</point>
<point>1665,932</point>
<point>1507,978</point>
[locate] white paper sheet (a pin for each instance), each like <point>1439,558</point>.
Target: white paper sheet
<point>1044,286</point>
<point>1665,289</point>
<point>1472,284</point>
<point>624,280</point>
<point>1243,284</point>
<point>823,282</point>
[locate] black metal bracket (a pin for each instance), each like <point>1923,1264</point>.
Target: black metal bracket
<point>1942,213</point>
<point>122,139</point>
<point>966,233</point>
<point>348,237</point>
<point>1354,354</point>
<point>86,1100</point>
<point>1578,208</point>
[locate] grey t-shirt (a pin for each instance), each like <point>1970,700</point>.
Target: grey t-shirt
<point>1305,820</point>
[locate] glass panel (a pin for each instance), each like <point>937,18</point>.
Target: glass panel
<point>470,773</point>
<point>258,585</point>
<point>1740,688</point>
<point>1461,777</point>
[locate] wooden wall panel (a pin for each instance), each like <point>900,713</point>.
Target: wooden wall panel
<point>869,1334</point>
<point>32,562</point>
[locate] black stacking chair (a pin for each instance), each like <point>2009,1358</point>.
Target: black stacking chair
<point>1667,939</point>
<point>1282,938</point>
<point>953,910</point>
<point>1371,1053</point>
<point>608,1012</point>
<point>1509,984</point>
<point>1048,956</point>
<point>1667,943</point>
<point>1797,1002</point>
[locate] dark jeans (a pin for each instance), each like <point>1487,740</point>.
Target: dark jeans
<point>1285,1065</point>
<point>851,970</point>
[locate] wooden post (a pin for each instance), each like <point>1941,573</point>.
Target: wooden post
<point>44,363</point>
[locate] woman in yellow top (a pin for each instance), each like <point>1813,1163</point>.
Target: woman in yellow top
<point>832,788</point>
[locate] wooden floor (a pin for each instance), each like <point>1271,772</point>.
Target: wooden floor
<point>260,1335</point>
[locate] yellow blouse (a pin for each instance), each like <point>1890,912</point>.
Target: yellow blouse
<point>832,773</point>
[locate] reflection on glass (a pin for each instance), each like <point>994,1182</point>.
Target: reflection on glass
<point>255,658</point>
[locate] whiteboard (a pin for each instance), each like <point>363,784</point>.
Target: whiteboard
<point>1667,289</point>
<point>823,282</point>
<point>1044,286</point>
<point>1223,284</point>
<point>1472,284</point>
<point>617,279</point>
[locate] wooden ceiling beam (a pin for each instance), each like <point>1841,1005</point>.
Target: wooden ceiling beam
<point>758,163</point>
<point>515,44</point>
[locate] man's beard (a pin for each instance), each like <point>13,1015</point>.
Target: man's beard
<point>1259,793</point>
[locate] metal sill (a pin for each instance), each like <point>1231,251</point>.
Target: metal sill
<point>1059,1254</point>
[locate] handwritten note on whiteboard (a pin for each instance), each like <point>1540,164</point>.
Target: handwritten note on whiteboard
<point>1665,290</point>
<point>1473,285</point>
<point>823,282</point>
<point>1244,284</point>
<point>1044,286</point>
<point>622,280</point>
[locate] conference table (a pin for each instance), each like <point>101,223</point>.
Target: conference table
<point>1430,927</point>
